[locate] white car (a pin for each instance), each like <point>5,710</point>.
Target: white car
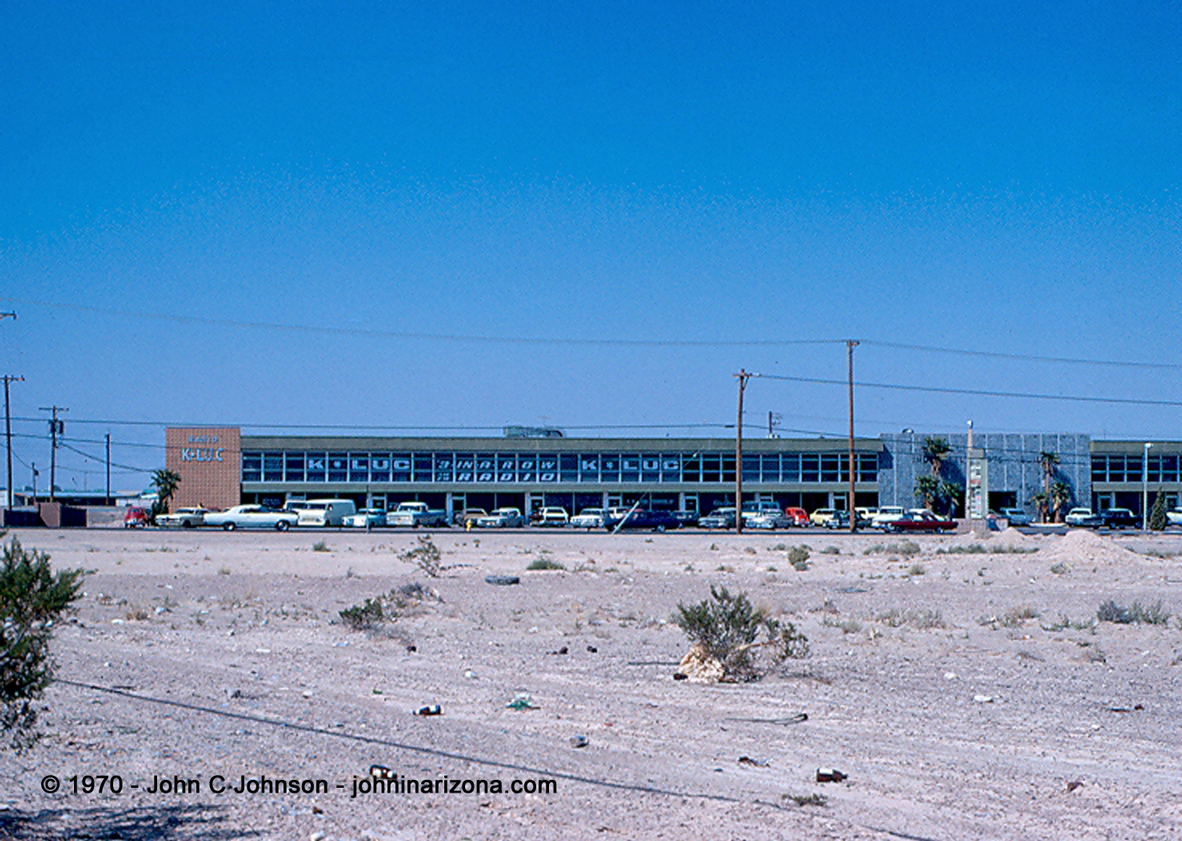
<point>1174,518</point>
<point>184,518</point>
<point>767,519</point>
<point>502,518</point>
<point>1017,516</point>
<point>553,516</point>
<point>252,517</point>
<point>886,514</point>
<point>1077,516</point>
<point>366,518</point>
<point>588,518</point>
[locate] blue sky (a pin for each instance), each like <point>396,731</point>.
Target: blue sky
<point>311,213</point>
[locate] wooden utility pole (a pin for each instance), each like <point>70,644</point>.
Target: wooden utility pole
<point>742,377</point>
<point>111,501</point>
<point>54,426</point>
<point>8,431</point>
<point>849,352</point>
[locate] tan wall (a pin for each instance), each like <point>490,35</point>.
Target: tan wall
<point>209,461</point>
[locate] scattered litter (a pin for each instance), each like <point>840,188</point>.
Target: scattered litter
<point>502,580</point>
<point>1074,784</point>
<point>593,649</point>
<point>1135,707</point>
<point>411,649</point>
<point>758,763</point>
<point>578,741</point>
<point>521,701</point>
<point>434,709</point>
<point>381,772</point>
<point>983,699</point>
<point>680,676</point>
<point>830,775</point>
<point>950,675</point>
<point>789,719</point>
<point>563,650</point>
<point>471,675</point>
<point>377,691</point>
<point>262,651</point>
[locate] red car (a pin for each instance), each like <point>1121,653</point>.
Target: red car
<point>798,516</point>
<point>919,521</point>
<point>136,518</point>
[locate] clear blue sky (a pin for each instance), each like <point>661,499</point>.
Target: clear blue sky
<point>261,214</point>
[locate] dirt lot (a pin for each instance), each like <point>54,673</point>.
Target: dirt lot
<point>962,683</point>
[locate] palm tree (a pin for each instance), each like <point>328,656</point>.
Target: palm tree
<point>953,496</point>
<point>935,452</point>
<point>165,482</point>
<point>927,488</point>
<point>1040,503</point>
<point>1060,497</point>
<point>1050,463</point>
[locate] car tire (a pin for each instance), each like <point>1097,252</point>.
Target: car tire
<point>187,524</point>
<point>283,525</point>
<point>661,529</point>
<point>229,526</point>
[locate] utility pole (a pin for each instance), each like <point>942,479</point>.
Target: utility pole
<point>849,352</point>
<point>109,501</point>
<point>8,431</point>
<point>33,467</point>
<point>56,428</point>
<point>742,377</point>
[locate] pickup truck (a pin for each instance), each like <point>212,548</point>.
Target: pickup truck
<point>416,514</point>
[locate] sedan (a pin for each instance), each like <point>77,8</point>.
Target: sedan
<point>185,518</point>
<point>643,518</point>
<point>553,516</point>
<point>252,517</point>
<point>1017,517</point>
<point>502,518</point>
<point>588,518</point>
<point>1119,518</point>
<point>719,518</point>
<point>770,520</point>
<point>1080,517</point>
<point>919,521</point>
<point>366,518</point>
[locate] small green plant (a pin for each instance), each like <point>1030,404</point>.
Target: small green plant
<point>1157,515</point>
<point>32,598</point>
<point>320,546</point>
<point>803,800</point>
<point>915,570</point>
<point>1060,568</point>
<point>925,619</point>
<point>426,556</point>
<point>543,564</point>
<point>1015,616</point>
<point>831,550</point>
<point>366,616</point>
<point>1138,614</point>
<point>798,556</point>
<point>731,631</point>
<point>906,548</point>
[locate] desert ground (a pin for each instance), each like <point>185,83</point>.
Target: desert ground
<point>962,683</point>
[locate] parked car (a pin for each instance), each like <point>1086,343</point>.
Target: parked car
<point>866,514</point>
<point>366,518</point>
<point>502,518</point>
<point>643,518</point>
<point>798,516</point>
<point>415,514</point>
<point>184,518</point>
<point>1080,517</point>
<point>469,515</point>
<point>1119,518</point>
<point>719,518</point>
<point>553,515</point>
<point>137,518</point>
<point>822,516</point>
<point>686,518</point>
<point>920,521</point>
<point>252,517</point>
<point>588,518</point>
<point>886,514</point>
<point>841,520</point>
<point>1174,518</point>
<point>770,519</point>
<point>1016,516</point>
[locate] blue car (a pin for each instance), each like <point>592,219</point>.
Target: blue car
<point>643,518</point>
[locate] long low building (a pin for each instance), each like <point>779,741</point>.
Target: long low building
<point>220,467</point>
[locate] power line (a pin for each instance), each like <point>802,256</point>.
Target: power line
<point>983,393</point>
<point>1026,357</point>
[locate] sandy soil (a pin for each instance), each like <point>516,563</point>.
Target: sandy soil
<point>966,694</point>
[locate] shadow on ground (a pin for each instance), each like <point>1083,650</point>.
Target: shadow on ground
<point>170,823</point>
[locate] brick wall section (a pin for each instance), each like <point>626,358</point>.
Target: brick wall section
<point>209,461</point>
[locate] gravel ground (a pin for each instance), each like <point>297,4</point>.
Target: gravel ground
<point>960,682</point>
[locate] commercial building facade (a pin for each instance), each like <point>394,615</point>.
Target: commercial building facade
<point>221,467</point>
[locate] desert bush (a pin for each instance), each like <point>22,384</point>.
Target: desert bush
<point>906,548</point>
<point>32,598</point>
<point>732,631</point>
<point>544,563</point>
<point>915,570</point>
<point>798,554</point>
<point>426,556</point>
<point>981,549</point>
<point>320,546</point>
<point>1138,613</point>
<point>367,616</point>
<point>922,619</point>
<point>831,550</point>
